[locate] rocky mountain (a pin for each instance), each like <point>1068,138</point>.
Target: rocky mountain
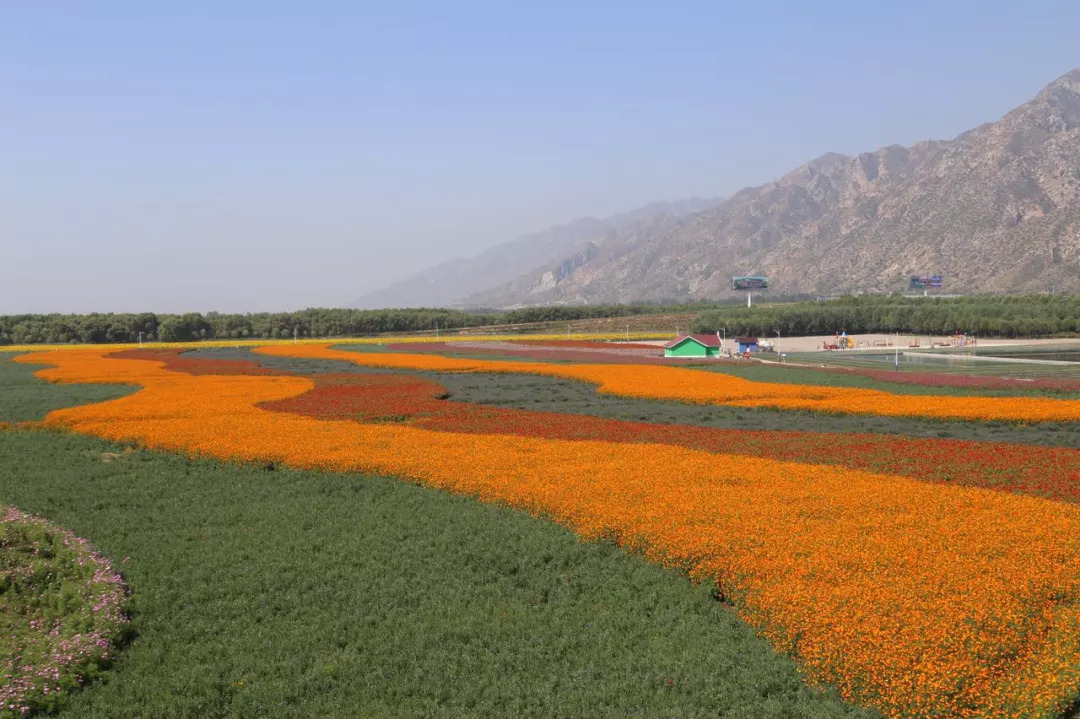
<point>449,283</point>
<point>544,284</point>
<point>995,209</point>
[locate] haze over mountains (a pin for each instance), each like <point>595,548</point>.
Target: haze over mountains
<point>450,283</point>
<point>997,209</point>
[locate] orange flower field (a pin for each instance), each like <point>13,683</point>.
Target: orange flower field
<point>920,599</point>
<point>676,383</point>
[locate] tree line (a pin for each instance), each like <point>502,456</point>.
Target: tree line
<point>980,315</point>
<point>194,326</point>
<point>317,322</point>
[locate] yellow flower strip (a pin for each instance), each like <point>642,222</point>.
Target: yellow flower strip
<point>917,598</point>
<point>676,383</point>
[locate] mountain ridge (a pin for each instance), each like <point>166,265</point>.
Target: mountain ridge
<point>994,209</point>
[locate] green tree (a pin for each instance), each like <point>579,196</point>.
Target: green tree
<point>173,329</point>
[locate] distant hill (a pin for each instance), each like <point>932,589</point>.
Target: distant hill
<point>449,283</point>
<point>995,209</point>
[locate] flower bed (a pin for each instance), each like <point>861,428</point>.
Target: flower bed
<point>688,385</point>
<point>941,379</point>
<point>61,612</point>
<point>583,352</point>
<point>916,598</point>
<point>173,359</point>
<point>1052,473</point>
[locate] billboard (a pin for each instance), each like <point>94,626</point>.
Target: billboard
<point>925,283</point>
<point>749,283</point>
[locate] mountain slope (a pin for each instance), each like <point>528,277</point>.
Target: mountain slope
<point>995,209</point>
<point>450,282</point>
<point>595,255</point>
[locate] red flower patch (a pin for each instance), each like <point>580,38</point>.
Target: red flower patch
<point>940,379</point>
<point>175,362</point>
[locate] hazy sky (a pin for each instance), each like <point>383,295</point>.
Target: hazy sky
<point>277,155</point>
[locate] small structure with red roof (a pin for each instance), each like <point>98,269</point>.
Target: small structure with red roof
<point>693,346</point>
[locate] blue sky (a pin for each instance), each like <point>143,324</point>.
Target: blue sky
<point>270,155</point>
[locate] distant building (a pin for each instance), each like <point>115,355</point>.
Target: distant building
<point>693,346</point>
<point>747,344</point>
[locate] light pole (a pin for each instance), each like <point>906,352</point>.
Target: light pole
<point>777,344</point>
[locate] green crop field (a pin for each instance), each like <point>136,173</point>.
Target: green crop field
<point>24,398</point>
